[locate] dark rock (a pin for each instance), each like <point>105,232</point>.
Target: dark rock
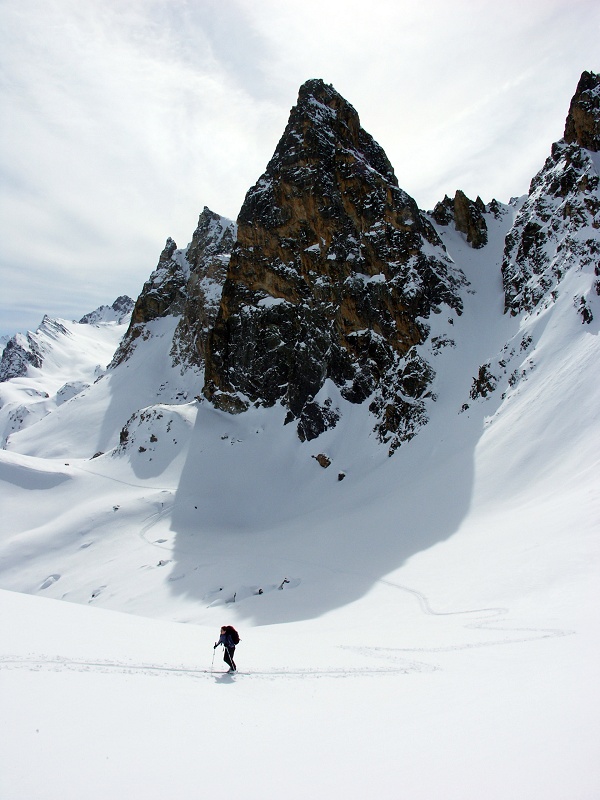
<point>484,384</point>
<point>466,215</point>
<point>443,213</point>
<point>333,272</point>
<point>208,257</point>
<point>583,121</point>
<point>469,219</point>
<point>20,352</point>
<point>552,231</point>
<point>315,419</point>
<point>162,295</point>
<point>187,285</point>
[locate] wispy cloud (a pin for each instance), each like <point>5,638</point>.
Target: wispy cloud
<point>123,119</point>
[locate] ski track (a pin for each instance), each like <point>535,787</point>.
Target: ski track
<point>485,624</point>
<point>113,479</point>
<point>36,663</point>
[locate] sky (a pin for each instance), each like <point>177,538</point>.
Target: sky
<point>122,120</point>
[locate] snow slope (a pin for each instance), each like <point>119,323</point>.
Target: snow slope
<point>437,635</point>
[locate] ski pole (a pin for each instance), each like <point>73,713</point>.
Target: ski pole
<point>213,661</point>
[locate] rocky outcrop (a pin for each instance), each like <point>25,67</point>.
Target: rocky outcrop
<point>23,351</point>
<point>186,285</point>
<point>557,227</point>
<point>583,122</point>
<point>467,216</point>
<point>208,257</point>
<point>20,352</point>
<point>162,295</point>
<point>332,276</point>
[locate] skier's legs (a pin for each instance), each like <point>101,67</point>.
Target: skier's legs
<point>228,657</point>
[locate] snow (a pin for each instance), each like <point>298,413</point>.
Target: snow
<point>438,635</point>
<point>269,302</point>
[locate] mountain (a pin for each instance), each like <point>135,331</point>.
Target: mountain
<point>365,322</point>
<point>41,370</point>
<point>23,351</point>
<point>453,587</point>
<point>118,312</point>
<point>334,274</point>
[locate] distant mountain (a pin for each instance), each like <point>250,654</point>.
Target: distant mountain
<point>118,312</point>
<point>42,370</point>
<point>23,351</point>
<point>20,352</point>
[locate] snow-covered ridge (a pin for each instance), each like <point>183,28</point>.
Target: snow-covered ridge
<point>43,370</point>
<point>119,312</point>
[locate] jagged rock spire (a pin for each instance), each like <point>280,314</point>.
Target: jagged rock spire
<point>208,256</point>
<point>333,271</point>
<point>467,216</point>
<point>185,285</point>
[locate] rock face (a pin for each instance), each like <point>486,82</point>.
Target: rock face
<point>163,294</point>
<point>556,229</point>
<point>583,123</point>
<point>208,257</point>
<point>467,216</point>
<point>27,350</point>
<point>20,352</point>
<point>186,284</point>
<point>331,278</point>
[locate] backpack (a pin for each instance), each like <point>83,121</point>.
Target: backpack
<point>231,631</point>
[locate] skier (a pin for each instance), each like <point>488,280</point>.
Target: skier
<point>228,638</point>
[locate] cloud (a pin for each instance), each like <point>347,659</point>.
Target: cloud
<point>125,118</point>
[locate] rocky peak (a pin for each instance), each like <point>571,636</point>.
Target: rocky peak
<point>23,351</point>
<point>583,121</point>
<point>117,312</point>
<point>162,295</point>
<point>20,352</point>
<point>208,257</point>
<point>332,275</point>
<point>556,228</point>
<point>208,252</point>
<point>467,216</point>
<point>185,285</point>
<point>164,292</point>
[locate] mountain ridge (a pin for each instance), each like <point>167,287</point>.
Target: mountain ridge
<point>334,309</point>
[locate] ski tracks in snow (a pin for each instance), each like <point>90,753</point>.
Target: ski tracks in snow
<point>38,663</point>
<point>492,622</point>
